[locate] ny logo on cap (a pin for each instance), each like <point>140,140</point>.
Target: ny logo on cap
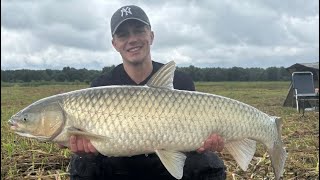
<point>125,10</point>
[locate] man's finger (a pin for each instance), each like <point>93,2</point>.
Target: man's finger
<point>80,144</point>
<point>207,144</point>
<point>85,145</point>
<point>73,144</point>
<point>221,144</point>
<point>91,148</point>
<point>214,142</point>
<point>200,150</point>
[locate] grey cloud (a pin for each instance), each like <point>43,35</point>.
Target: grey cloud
<point>202,33</point>
<point>75,13</point>
<point>222,24</point>
<point>294,8</point>
<point>18,14</point>
<point>66,35</point>
<point>62,23</point>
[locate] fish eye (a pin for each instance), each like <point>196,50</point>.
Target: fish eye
<point>25,118</point>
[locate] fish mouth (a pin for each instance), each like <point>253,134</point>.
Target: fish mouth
<point>13,125</point>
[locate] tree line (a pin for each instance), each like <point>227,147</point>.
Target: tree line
<point>69,74</point>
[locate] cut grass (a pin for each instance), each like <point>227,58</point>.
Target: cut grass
<point>28,158</point>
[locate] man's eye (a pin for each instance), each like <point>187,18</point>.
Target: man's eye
<point>140,30</point>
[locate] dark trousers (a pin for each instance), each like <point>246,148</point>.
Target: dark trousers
<point>205,166</point>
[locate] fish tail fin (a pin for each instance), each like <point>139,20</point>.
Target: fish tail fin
<point>277,153</point>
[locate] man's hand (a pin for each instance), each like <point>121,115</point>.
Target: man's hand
<point>79,144</point>
<point>213,143</point>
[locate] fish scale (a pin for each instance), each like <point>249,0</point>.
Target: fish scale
<point>155,118</point>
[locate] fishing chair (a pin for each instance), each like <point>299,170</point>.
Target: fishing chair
<point>304,90</point>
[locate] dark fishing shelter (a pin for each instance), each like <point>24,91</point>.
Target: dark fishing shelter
<point>300,67</point>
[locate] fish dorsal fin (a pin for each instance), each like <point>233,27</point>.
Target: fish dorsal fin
<point>242,151</point>
<point>173,161</point>
<point>163,78</point>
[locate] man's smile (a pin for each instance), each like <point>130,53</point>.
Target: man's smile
<point>134,49</point>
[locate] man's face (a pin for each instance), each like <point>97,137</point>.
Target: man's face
<point>133,40</point>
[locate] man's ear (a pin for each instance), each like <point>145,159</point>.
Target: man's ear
<point>152,37</point>
<point>114,44</point>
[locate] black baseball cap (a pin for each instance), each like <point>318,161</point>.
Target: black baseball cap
<point>125,13</point>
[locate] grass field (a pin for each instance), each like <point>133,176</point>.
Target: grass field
<point>29,159</point>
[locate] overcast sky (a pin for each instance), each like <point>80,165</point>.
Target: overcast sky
<point>52,34</point>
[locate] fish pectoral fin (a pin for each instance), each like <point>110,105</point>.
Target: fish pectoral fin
<point>88,135</point>
<point>173,161</point>
<point>242,151</point>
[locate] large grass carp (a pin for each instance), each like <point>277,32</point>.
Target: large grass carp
<point>155,118</point>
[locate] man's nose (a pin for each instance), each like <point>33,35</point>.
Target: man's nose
<point>132,37</point>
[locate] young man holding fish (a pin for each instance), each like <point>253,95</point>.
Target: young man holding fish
<point>152,131</point>
<point>132,38</point>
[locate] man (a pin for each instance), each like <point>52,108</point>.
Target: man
<point>132,38</point>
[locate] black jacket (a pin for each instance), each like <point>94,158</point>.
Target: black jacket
<point>198,166</point>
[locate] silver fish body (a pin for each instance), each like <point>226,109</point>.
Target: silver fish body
<point>139,120</point>
<point>132,120</point>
